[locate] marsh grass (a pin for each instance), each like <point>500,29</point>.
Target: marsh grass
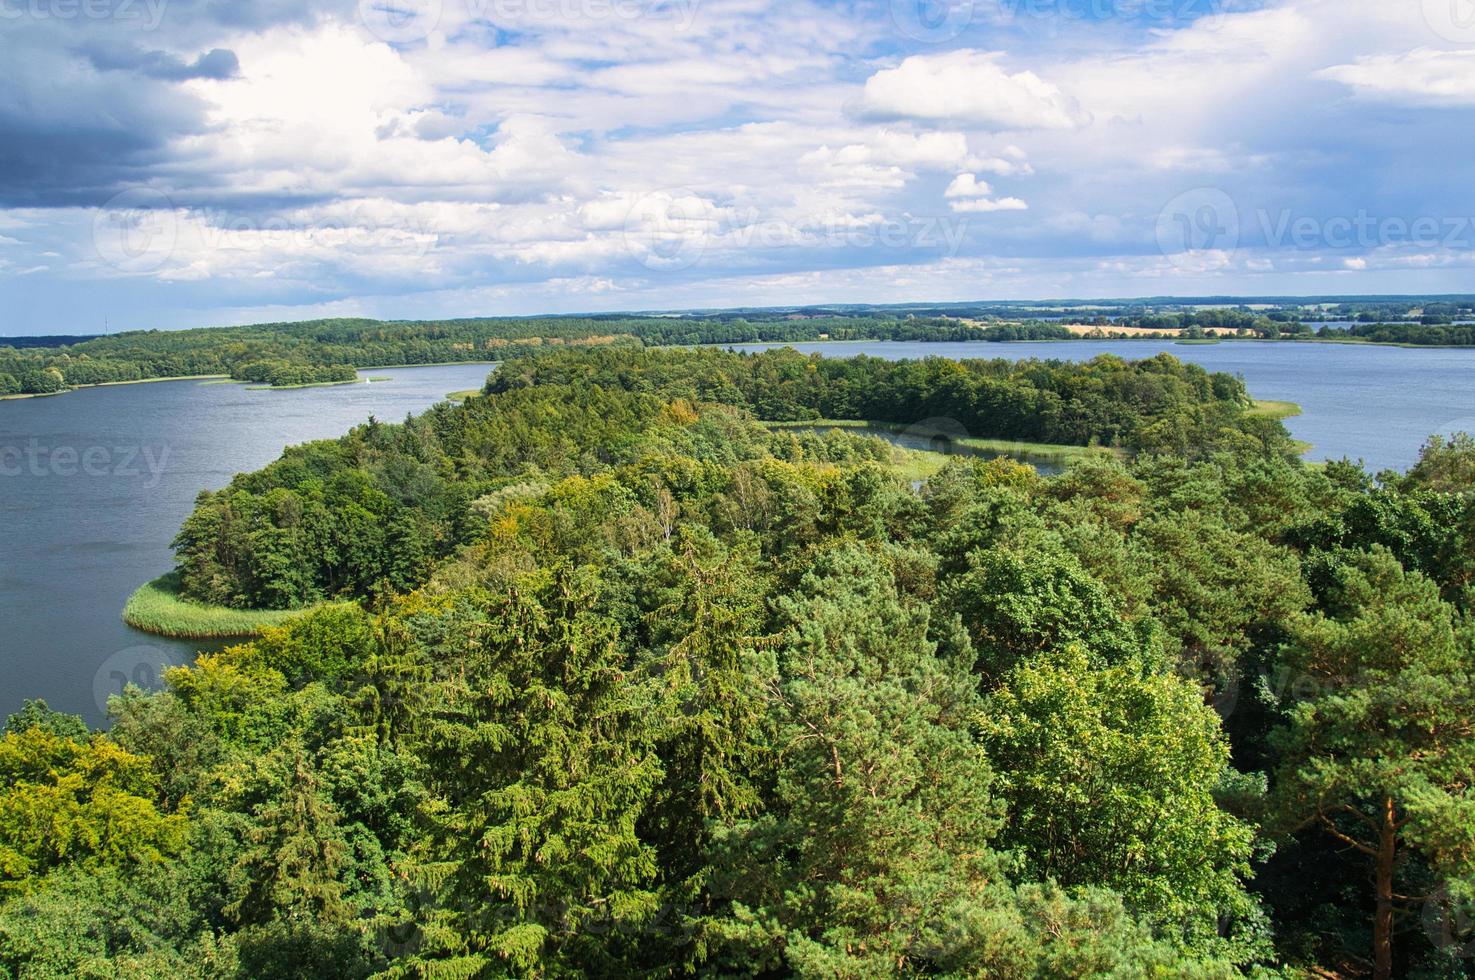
<point>157,607</point>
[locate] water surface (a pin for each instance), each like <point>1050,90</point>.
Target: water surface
<point>95,483</point>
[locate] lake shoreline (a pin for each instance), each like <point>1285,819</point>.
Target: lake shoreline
<point>227,379</point>
<point>158,608</point>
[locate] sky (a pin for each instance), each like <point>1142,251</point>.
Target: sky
<point>175,163</point>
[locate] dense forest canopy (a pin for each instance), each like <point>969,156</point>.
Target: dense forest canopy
<point>637,685</point>
<point>380,507</point>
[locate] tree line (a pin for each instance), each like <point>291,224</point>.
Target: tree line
<point>315,347</point>
<point>661,690</point>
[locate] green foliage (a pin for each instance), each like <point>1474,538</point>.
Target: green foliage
<point>1109,775</point>
<point>36,714</point>
<point>626,683</point>
<point>66,802</point>
<point>540,761</point>
<point>1376,749</point>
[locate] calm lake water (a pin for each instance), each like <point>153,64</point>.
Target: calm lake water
<point>1376,404</point>
<point>95,483</point>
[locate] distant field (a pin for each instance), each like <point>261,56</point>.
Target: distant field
<point>1082,330</point>
<point>1040,450</point>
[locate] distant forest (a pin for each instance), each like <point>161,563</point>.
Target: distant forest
<point>321,351</point>
<point>297,353</point>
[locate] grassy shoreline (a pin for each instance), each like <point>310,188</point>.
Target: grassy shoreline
<point>205,379</point>
<point>1274,409</point>
<point>157,607</point>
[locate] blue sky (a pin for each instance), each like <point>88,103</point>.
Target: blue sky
<point>169,163</point>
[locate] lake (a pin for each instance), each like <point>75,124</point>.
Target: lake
<point>1376,404</point>
<point>95,483</point>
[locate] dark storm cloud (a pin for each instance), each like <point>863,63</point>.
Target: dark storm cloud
<point>73,135</point>
<point>92,105</point>
<point>217,63</point>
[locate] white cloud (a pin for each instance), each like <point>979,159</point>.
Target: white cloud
<point>984,205</point>
<point>1421,77</point>
<point>968,185</point>
<point>968,87</point>
<point>969,195</point>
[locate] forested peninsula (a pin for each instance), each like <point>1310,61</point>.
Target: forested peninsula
<point>624,682</point>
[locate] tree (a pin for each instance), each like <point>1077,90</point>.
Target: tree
<point>295,853</point>
<point>1109,774</point>
<point>1378,749</point>
<point>36,714</point>
<point>67,802</point>
<point>879,837</point>
<point>1017,605</point>
<point>540,762</point>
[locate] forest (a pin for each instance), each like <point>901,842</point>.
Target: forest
<point>317,525</point>
<point>323,351</point>
<point>1416,334</point>
<point>322,348</point>
<point>634,684</point>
